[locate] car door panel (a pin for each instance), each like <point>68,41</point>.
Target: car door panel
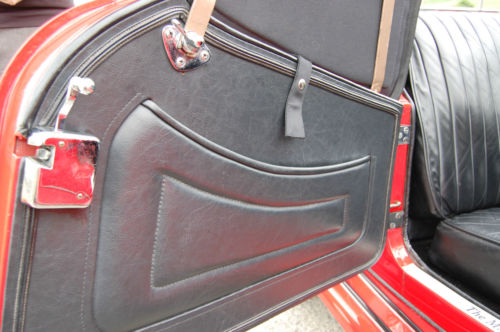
<point>204,216</point>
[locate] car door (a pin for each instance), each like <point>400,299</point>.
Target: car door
<point>160,189</point>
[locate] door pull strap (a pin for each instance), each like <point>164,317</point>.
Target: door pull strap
<point>199,15</point>
<point>294,124</point>
<point>384,36</point>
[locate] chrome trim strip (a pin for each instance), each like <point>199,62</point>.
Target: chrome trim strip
<point>389,302</point>
<point>365,307</point>
<point>405,301</point>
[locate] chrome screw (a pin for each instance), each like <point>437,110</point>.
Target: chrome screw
<point>61,144</point>
<point>180,63</point>
<point>79,196</point>
<point>169,32</point>
<point>43,154</point>
<point>302,84</point>
<point>204,55</point>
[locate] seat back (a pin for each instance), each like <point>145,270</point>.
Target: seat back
<point>455,78</point>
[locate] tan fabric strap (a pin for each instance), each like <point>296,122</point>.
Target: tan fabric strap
<point>199,15</point>
<point>10,2</point>
<point>384,35</point>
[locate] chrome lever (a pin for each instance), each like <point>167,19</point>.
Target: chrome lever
<point>77,85</point>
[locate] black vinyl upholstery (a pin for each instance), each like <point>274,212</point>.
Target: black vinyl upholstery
<point>455,76</point>
<point>468,246</point>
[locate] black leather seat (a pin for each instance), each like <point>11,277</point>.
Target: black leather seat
<point>455,77</point>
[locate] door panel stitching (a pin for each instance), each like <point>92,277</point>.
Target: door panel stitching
<point>90,221</point>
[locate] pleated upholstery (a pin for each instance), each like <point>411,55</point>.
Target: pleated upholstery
<point>455,77</point>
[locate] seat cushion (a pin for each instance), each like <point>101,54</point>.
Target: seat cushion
<point>468,247</point>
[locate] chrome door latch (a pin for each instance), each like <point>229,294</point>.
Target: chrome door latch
<point>186,50</point>
<point>61,174</point>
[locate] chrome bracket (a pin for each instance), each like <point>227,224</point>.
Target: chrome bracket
<point>404,135</point>
<point>186,50</point>
<point>61,174</point>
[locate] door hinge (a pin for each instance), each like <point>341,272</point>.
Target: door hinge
<point>61,173</point>
<point>404,135</point>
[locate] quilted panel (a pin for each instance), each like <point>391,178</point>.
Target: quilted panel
<point>455,76</point>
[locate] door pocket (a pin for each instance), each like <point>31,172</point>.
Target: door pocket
<point>184,223</point>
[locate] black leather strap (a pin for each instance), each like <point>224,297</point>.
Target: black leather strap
<point>294,124</point>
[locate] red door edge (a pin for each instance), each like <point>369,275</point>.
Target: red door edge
<point>14,89</point>
<point>400,163</point>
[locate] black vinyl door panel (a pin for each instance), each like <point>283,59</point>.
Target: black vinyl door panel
<point>217,225</point>
<point>205,216</point>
